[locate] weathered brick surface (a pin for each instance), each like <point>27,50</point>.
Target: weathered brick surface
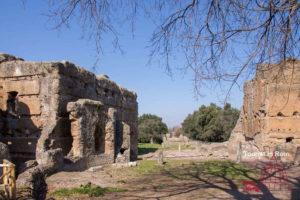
<point>270,114</point>
<point>29,105</point>
<point>25,87</point>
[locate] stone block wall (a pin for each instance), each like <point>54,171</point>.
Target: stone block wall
<point>67,111</point>
<point>34,83</point>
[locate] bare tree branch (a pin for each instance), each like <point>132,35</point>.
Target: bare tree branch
<point>211,31</point>
<point>220,40</point>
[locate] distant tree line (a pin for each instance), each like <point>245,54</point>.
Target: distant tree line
<point>211,123</point>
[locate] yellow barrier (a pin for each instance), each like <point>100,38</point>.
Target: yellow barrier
<point>9,179</point>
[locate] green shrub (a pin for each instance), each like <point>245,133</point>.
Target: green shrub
<point>151,129</point>
<point>211,123</point>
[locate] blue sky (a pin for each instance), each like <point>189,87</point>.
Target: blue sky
<point>25,32</point>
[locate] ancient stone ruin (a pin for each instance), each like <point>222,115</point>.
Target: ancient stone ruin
<point>269,120</point>
<point>270,116</point>
<point>63,116</point>
<point>175,136</point>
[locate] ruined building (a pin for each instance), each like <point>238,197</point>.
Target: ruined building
<point>270,116</point>
<point>67,117</point>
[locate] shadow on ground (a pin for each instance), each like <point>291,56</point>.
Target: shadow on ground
<point>199,181</point>
<point>147,148</point>
<point>143,151</point>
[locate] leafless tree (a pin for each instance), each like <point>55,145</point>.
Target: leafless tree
<point>97,18</point>
<point>220,39</point>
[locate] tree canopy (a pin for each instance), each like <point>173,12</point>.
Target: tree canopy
<point>211,123</point>
<point>151,128</point>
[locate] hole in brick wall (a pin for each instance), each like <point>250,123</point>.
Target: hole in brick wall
<point>249,139</point>
<point>122,150</point>
<point>279,114</point>
<point>289,139</point>
<point>262,113</point>
<point>296,113</point>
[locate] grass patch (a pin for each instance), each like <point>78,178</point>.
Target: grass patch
<point>151,166</point>
<point>228,169</point>
<point>186,170</point>
<point>144,148</point>
<point>221,169</point>
<point>147,166</point>
<point>211,171</point>
<point>89,190</point>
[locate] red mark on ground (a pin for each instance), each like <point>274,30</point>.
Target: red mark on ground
<point>250,186</point>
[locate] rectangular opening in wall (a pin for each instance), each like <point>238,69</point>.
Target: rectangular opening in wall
<point>99,140</point>
<point>289,139</point>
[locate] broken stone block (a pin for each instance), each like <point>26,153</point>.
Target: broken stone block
<point>4,152</point>
<point>160,157</point>
<point>95,169</point>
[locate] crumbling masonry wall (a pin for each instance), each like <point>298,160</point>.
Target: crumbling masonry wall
<point>270,117</point>
<point>68,116</point>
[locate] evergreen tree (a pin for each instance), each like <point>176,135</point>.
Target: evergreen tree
<point>151,128</point>
<point>211,123</point>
